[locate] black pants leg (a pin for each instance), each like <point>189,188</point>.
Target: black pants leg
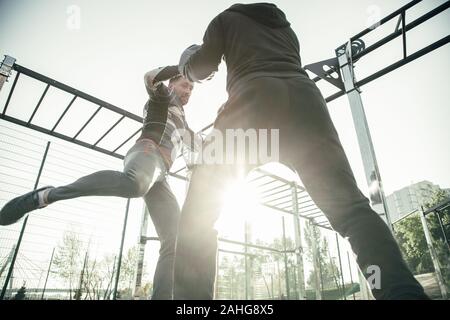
<point>165,213</point>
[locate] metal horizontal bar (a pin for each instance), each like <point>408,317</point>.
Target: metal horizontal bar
<point>281,204</point>
<point>408,27</point>
<point>121,145</point>
<point>271,198</point>
<point>61,136</point>
<point>402,62</point>
<point>322,223</point>
<point>76,92</point>
<point>277,205</point>
<point>275,208</point>
<point>306,211</point>
<point>64,113</point>
<point>178,176</point>
<point>334,96</point>
<point>207,127</point>
<point>109,130</point>
<point>275,177</point>
<point>87,122</point>
<point>256,178</point>
<point>394,66</point>
<point>287,207</point>
<point>322,226</point>
<point>144,239</point>
<point>385,19</point>
<point>265,183</point>
<point>10,93</point>
<point>287,188</point>
<point>439,206</point>
<point>303,202</point>
<point>314,215</point>
<point>309,205</point>
<point>249,245</point>
<point>238,252</point>
<point>179,170</point>
<point>288,195</point>
<point>280,198</point>
<point>39,103</point>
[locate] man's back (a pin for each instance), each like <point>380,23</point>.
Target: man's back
<point>256,40</point>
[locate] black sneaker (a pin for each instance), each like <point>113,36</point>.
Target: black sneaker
<point>19,206</point>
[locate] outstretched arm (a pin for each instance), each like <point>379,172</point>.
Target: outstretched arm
<point>200,62</point>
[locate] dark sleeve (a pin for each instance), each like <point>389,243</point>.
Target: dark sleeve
<point>205,59</point>
<point>167,73</point>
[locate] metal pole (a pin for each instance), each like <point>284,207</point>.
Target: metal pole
<point>294,276</point>
<point>5,69</point>
<point>245,260</point>
<point>11,281</point>
<point>321,278</point>
<point>316,263</point>
<point>19,241</point>
<point>350,270</point>
<point>251,278</point>
<point>340,266</point>
<point>271,286</point>
<point>279,279</point>
<point>332,269</point>
<point>248,263</point>
<point>111,280</point>
<point>78,294</point>
<point>8,260</point>
<point>141,253</point>
<point>298,243</point>
<point>434,257</point>
<point>48,272</point>
<point>286,271</point>
<point>121,249</point>
<point>443,229</point>
<point>216,283</point>
<point>367,150</point>
<point>231,282</point>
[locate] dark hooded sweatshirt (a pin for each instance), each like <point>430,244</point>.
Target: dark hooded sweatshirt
<point>255,40</point>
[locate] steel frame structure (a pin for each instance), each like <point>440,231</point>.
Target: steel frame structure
<point>277,193</point>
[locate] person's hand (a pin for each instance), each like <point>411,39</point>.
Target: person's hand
<point>160,93</point>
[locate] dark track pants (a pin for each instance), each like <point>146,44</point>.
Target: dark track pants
<point>310,144</point>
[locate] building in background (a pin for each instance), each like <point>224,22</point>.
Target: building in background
<point>410,198</point>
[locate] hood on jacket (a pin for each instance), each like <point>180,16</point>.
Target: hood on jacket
<point>264,13</point>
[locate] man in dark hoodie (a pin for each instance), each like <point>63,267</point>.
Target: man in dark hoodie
<point>268,89</point>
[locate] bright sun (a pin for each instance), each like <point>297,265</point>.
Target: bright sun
<point>241,203</point>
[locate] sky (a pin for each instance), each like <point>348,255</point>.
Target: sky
<point>109,48</point>
<point>105,47</point>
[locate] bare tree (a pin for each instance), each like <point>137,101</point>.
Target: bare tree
<point>68,258</point>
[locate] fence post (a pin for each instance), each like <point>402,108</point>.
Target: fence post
<point>19,241</point>
<point>121,249</point>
